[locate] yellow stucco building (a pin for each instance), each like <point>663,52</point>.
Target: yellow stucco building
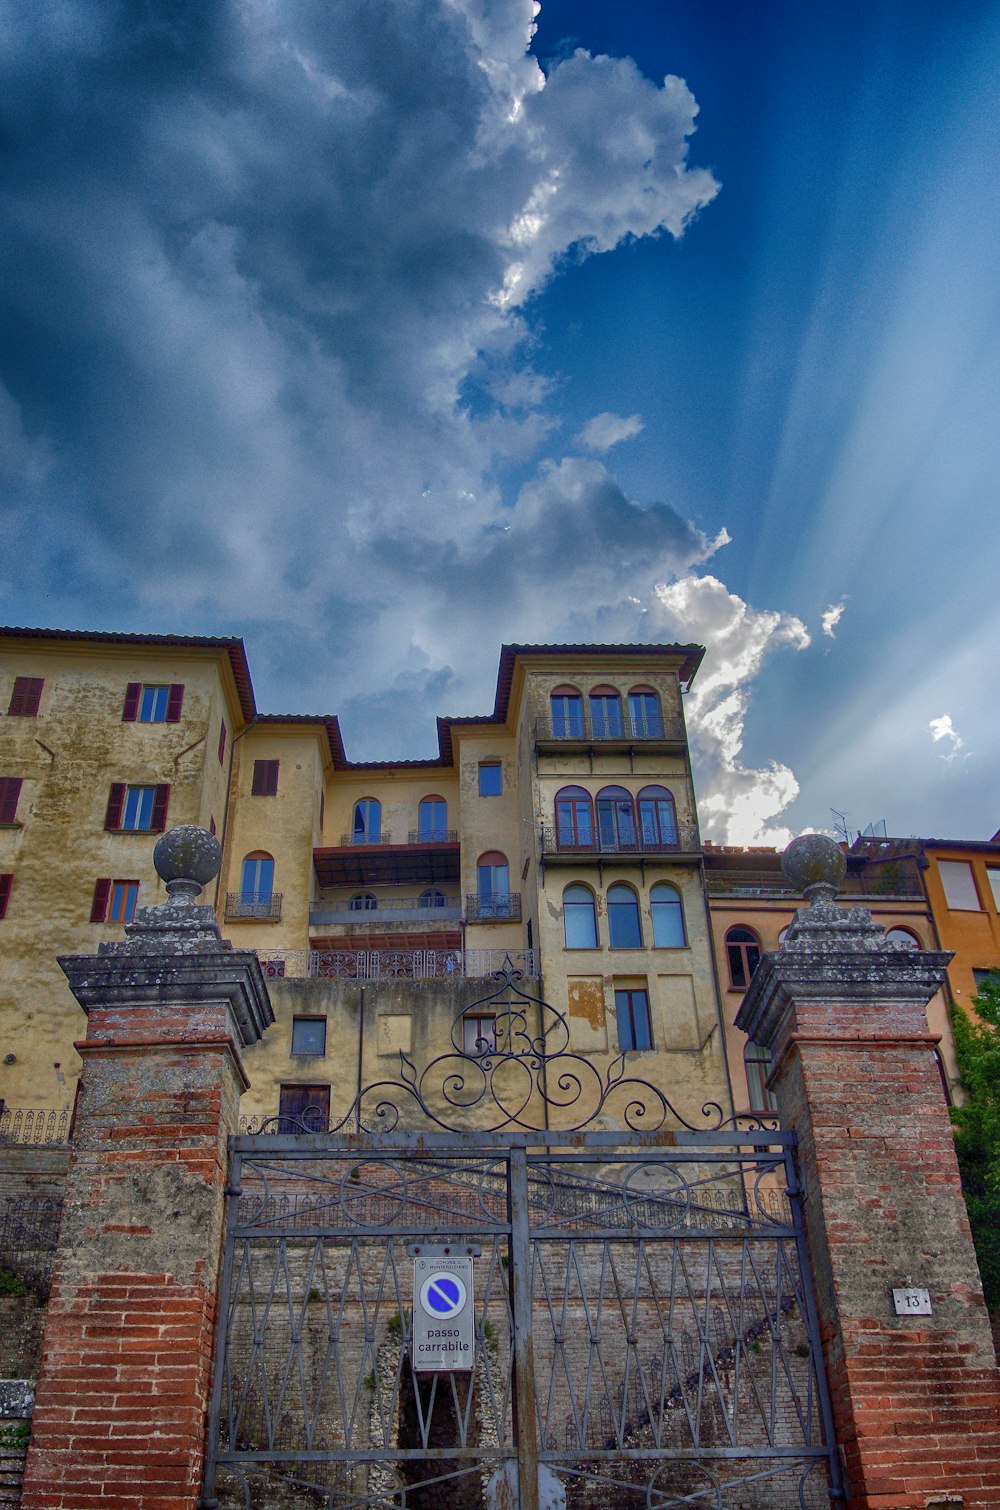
<point>558,831</point>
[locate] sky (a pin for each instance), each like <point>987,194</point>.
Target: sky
<point>383,332</point>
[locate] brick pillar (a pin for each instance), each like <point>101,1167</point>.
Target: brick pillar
<point>916,1399</point>
<point>126,1363</point>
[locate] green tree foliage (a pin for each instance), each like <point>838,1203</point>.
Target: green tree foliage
<point>977,1127</point>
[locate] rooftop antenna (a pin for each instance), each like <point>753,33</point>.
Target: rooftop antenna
<point>840,825</point>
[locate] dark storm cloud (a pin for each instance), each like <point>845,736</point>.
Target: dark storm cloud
<point>253,253</point>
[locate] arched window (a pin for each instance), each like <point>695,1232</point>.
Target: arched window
<point>605,713</point>
<point>644,713</point>
<point>743,954</point>
<point>363,901</point>
<point>574,819</point>
<point>903,938</point>
<point>757,1062</point>
<point>367,821</point>
<point>579,917</point>
<point>433,898</point>
<point>257,879</point>
<point>493,885</point>
<point>567,713</point>
<point>623,918</point>
<point>616,819</point>
<point>668,917</point>
<point>657,818</point>
<point>432,820</point>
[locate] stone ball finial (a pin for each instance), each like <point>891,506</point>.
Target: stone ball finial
<point>187,858</point>
<point>816,866</point>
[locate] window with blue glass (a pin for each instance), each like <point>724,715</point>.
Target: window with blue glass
<point>567,713</point>
<point>490,778</point>
<point>657,818</point>
<point>644,713</point>
<point>668,917</point>
<point>138,810</point>
<point>257,878</point>
<point>493,885</point>
<point>632,1012</point>
<point>367,821</point>
<point>574,818</point>
<point>616,819</point>
<point>432,820</point>
<point>623,918</point>
<point>605,713</point>
<point>579,917</point>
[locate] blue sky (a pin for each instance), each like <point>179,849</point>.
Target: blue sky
<point>359,329</point>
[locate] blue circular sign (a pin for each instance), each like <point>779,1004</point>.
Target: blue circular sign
<point>443,1295</point>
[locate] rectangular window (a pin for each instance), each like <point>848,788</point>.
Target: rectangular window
<point>265,778</point>
<point>6,882</point>
<point>993,876</point>
<point>982,976</point>
<point>114,901</point>
<point>959,886</point>
<point>222,744</point>
<point>26,696</point>
<point>304,1107</point>
<point>479,1035</point>
<point>309,1035</point>
<point>140,809</point>
<point>490,778</point>
<point>153,704</point>
<point>632,1011</point>
<point>10,791</point>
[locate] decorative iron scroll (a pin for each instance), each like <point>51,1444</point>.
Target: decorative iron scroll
<point>517,1079</point>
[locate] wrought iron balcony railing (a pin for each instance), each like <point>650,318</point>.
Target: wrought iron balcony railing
<point>392,964</point>
<point>493,909</point>
<point>265,909</point>
<point>38,1126</point>
<point>568,842</point>
<point>363,841</point>
<point>431,907</point>
<point>432,836</point>
<point>587,729</point>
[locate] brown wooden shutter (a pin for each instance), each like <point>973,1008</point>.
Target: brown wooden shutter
<point>99,906</point>
<point>175,701</point>
<point>222,744</point>
<point>26,696</point>
<point>265,778</point>
<point>5,885</point>
<point>161,797</point>
<point>133,692</point>
<point>116,804</point>
<point>10,791</point>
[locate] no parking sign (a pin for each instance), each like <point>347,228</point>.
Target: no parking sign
<point>443,1313</point>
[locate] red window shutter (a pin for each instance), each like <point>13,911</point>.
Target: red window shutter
<point>211,827</point>
<point>26,696</point>
<point>265,778</point>
<point>161,797</point>
<point>99,907</point>
<point>116,804</point>
<point>10,791</point>
<point>222,744</point>
<point>175,701</point>
<point>5,885</point>
<point>133,692</point>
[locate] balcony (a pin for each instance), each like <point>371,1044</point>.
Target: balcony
<point>393,964</point>
<point>570,847</point>
<point>384,911</point>
<point>585,733</point>
<point>493,909</point>
<point>359,860</point>
<point>263,909</point>
<point>877,881</point>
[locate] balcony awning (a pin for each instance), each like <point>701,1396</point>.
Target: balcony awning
<point>387,864</point>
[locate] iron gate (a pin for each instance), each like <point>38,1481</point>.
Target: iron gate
<point>644,1329</point>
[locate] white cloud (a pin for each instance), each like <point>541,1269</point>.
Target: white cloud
<point>832,616</point>
<point>737,803</point>
<point>943,728</point>
<point>607,429</point>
